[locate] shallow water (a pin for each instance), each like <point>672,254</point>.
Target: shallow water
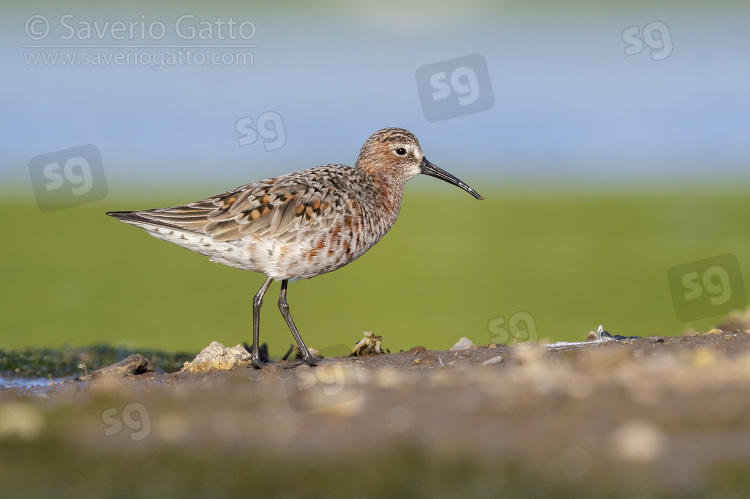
<point>8,382</point>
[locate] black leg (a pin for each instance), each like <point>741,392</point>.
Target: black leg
<point>257,302</point>
<point>284,307</point>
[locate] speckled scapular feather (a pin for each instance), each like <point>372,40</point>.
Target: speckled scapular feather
<point>303,224</point>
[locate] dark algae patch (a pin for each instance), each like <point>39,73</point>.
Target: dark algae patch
<point>69,361</point>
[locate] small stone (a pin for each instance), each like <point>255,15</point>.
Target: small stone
<point>19,419</point>
<point>388,377</point>
<point>463,344</point>
<point>417,350</point>
<point>638,441</point>
<point>217,357</point>
<point>426,359</point>
<point>704,358</point>
<point>134,365</point>
<point>494,360</point>
<point>715,331</point>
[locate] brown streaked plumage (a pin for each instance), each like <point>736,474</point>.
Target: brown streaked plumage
<point>299,225</point>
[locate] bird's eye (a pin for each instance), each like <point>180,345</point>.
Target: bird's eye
<point>401,151</point>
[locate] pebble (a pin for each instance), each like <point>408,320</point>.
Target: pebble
<point>19,419</point>
<point>217,357</point>
<point>463,344</point>
<point>703,357</point>
<point>638,441</point>
<point>494,360</point>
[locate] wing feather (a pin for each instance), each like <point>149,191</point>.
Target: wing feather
<point>282,208</point>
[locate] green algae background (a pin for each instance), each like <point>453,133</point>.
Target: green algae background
<point>567,259</point>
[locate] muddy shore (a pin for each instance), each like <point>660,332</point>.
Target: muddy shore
<point>658,417</point>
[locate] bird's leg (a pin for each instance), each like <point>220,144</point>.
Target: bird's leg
<point>307,357</point>
<point>257,302</point>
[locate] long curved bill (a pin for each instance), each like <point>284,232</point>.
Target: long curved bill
<point>433,171</point>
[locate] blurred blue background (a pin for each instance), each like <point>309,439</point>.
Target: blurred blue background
<point>569,104</point>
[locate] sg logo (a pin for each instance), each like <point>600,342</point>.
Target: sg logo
<point>269,126</point>
<point>455,87</point>
<point>322,386</point>
<point>655,36</point>
<point>134,416</point>
<point>706,287</point>
<point>463,80</point>
<point>520,330</point>
<point>68,178</point>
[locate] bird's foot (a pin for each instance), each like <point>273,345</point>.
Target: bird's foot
<point>310,359</point>
<point>261,357</point>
